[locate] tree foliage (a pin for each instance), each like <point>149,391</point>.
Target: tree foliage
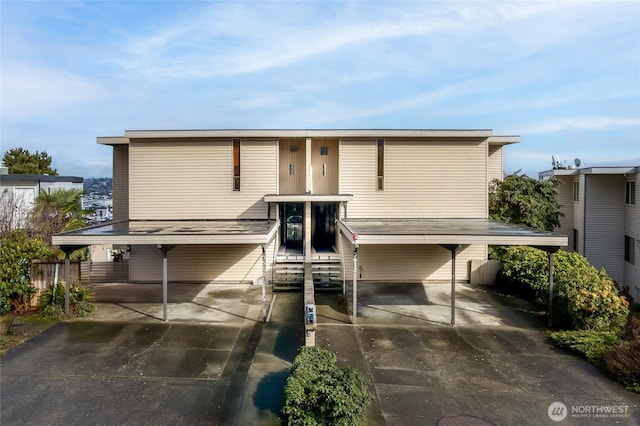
<point>17,250</point>
<point>524,200</point>
<point>21,161</point>
<point>57,211</point>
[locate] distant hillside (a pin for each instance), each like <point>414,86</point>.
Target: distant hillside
<point>98,186</point>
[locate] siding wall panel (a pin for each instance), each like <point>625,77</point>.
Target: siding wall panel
<point>120,184</point>
<point>202,264</point>
<point>328,183</point>
<point>632,229</point>
<point>189,179</point>
<point>495,163</point>
<point>604,225</point>
<point>292,183</point>
<point>432,180</point>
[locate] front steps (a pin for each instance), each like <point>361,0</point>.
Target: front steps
<point>326,270</point>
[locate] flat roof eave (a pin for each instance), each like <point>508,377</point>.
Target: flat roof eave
<point>447,231</point>
<point>185,232</point>
<point>275,133</point>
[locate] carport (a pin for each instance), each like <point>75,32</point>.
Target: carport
<point>165,235</point>
<point>450,234</point>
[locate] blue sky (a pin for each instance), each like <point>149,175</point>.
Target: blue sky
<point>565,76</point>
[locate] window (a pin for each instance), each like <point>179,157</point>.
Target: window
<point>576,190</point>
<point>630,192</point>
<point>630,249</point>
<point>236,164</point>
<point>575,240</point>
<point>380,176</point>
<point>324,150</point>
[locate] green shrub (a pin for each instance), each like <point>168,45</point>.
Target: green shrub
<point>584,297</point>
<point>623,363</point>
<point>592,344</point>
<point>52,301</point>
<point>317,392</point>
<point>17,250</point>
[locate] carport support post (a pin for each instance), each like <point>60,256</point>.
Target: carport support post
<point>452,248</point>
<point>550,319</point>
<point>354,309</point>
<point>165,249</point>
<point>67,279</point>
<point>264,282</point>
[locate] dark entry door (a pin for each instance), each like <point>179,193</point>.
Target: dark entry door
<point>324,217</point>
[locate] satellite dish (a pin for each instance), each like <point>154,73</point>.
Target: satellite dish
<point>577,162</point>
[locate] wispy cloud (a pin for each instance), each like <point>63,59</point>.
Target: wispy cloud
<point>583,123</point>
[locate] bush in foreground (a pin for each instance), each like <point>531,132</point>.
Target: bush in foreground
<point>592,344</point>
<point>622,362</point>
<point>318,392</point>
<point>585,298</point>
<point>53,298</point>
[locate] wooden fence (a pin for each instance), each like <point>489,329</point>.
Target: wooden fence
<point>43,275</point>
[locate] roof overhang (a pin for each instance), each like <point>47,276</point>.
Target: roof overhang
<point>280,133</point>
<point>446,232</point>
<point>503,140</point>
<point>300,198</point>
<point>180,232</point>
<point>615,170</point>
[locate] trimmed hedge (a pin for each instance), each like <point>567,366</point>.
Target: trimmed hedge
<point>584,297</point>
<point>317,392</point>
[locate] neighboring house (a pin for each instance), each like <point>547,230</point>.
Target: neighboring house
<point>602,218</point>
<point>18,193</point>
<point>239,206</point>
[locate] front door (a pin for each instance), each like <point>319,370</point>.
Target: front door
<point>324,217</point>
<point>292,219</point>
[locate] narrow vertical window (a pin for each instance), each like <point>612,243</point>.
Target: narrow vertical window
<point>236,164</point>
<point>630,249</point>
<point>380,176</point>
<point>576,191</point>
<point>630,192</point>
<point>575,240</point>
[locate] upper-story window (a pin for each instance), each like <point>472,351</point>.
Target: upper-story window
<point>576,190</point>
<point>630,249</point>
<point>630,192</point>
<point>380,168</point>
<point>236,164</point>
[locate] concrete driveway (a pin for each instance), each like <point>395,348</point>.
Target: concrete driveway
<point>216,363</point>
<point>496,367</point>
<point>123,366</point>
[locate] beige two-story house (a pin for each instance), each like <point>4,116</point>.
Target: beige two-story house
<point>219,206</point>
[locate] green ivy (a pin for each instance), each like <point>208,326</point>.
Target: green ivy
<point>317,392</point>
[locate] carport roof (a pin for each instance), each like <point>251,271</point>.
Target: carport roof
<point>172,232</point>
<point>447,231</point>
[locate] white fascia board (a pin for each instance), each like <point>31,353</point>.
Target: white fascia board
<point>503,140</point>
<point>276,133</point>
<point>112,140</point>
<point>86,240</point>
<point>554,241</point>
<point>307,197</point>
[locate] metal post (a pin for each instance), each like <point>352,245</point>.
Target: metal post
<point>453,286</point>
<point>355,285</point>
<point>67,281</point>
<point>264,282</point>
<point>164,283</point>
<point>550,319</point>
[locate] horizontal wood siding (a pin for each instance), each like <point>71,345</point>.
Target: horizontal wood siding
<point>409,262</point>
<point>120,184</point>
<point>565,198</point>
<point>604,225</point>
<point>632,229</point>
<point>292,183</point>
<point>433,179</point>
<point>495,163</point>
<point>187,179</point>
<point>203,264</point>
<point>578,213</point>
<point>327,183</point>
